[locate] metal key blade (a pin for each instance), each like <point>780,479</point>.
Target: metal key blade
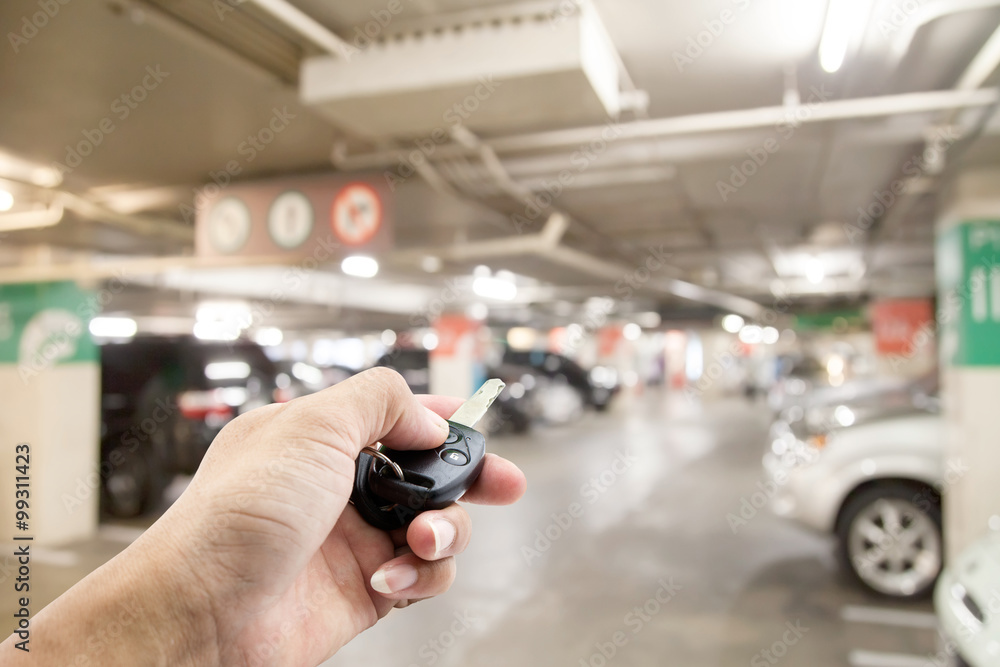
<point>473,409</point>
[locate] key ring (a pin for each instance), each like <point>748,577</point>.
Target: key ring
<point>386,461</point>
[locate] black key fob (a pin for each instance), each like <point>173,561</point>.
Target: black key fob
<point>391,487</point>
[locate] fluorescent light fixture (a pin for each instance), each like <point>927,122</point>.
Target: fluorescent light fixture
<point>359,266</point>
<point>269,337</point>
<point>15,168</point>
<point>733,323</point>
<point>815,273</point>
<point>632,331</point>
<point>430,341</point>
<point>227,370</point>
<point>494,288</point>
<point>113,327</point>
<point>35,218</point>
<point>6,200</point>
<point>308,374</point>
<point>522,338</point>
<point>389,337</point>
<point>216,331</point>
<point>482,271</point>
<point>770,336</point>
<point>845,20</point>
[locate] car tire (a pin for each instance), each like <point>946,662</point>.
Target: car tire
<point>890,538</point>
<point>133,486</point>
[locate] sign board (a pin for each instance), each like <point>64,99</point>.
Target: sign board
<point>294,217</point>
<point>896,323</point>
<point>968,274</point>
<point>46,324</point>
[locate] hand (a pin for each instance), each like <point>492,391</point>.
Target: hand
<point>262,561</point>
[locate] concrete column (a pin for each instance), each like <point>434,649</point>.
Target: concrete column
<point>456,364</point>
<point>968,276</point>
<point>50,382</point>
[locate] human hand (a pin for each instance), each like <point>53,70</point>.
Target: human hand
<point>262,561</point>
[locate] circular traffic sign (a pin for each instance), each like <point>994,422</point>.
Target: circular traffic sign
<point>356,215</point>
<point>290,219</point>
<point>229,225</point>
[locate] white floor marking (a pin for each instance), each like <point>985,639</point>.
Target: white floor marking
<point>883,616</point>
<point>55,557</point>
<point>124,534</point>
<point>879,659</point>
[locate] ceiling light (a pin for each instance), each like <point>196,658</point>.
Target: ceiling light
<point>34,218</point>
<point>649,320</point>
<point>227,370</point>
<point>751,334</point>
<point>845,19</point>
<point>770,336</point>
<point>269,336</point>
<point>632,331</point>
<point>430,341</point>
<point>431,264</point>
<point>15,168</point>
<point>388,338</point>
<point>482,271</point>
<point>113,327</point>
<point>359,266</point>
<point>494,288</point>
<point>6,200</point>
<point>478,312</point>
<point>815,273</point>
<point>522,338</point>
<point>733,323</point>
<point>307,373</point>
<point>216,331</point>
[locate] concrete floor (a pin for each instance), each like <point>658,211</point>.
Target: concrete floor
<point>622,537</point>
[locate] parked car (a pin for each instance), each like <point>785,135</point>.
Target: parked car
<point>163,401</point>
<point>875,486</point>
<point>967,602</point>
<point>589,389</point>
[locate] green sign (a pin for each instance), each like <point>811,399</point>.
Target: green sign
<point>46,324</point>
<point>836,320</point>
<point>968,277</point>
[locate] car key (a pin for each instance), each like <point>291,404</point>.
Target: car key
<point>391,487</point>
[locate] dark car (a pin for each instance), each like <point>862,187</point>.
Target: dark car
<point>563,371</point>
<point>513,411</point>
<point>163,401</point>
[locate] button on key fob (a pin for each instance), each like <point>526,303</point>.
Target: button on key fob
<point>391,487</point>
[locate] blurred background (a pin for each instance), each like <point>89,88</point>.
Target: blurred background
<point>736,261</point>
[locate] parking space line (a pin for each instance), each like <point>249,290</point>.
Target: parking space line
<point>123,534</point>
<point>54,557</point>
<point>880,659</point>
<point>883,616</point>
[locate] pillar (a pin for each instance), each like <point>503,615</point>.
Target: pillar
<point>968,276</point>
<point>50,401</point>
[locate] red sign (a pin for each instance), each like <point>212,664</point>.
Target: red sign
<point>357,214</point>
<point>897,322</point>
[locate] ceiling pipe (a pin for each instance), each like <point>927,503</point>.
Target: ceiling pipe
<point>722,121</point>
<point>305,25</point>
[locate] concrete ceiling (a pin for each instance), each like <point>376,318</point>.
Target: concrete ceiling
<point>225,83</point>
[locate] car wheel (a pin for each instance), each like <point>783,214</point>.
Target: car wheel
<point>890,539</point>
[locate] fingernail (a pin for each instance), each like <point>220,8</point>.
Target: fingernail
<point>444,535</point>
<point>394,578</point>
<point>438,421</point>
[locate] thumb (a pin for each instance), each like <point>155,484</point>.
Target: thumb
<point>375,406</point>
